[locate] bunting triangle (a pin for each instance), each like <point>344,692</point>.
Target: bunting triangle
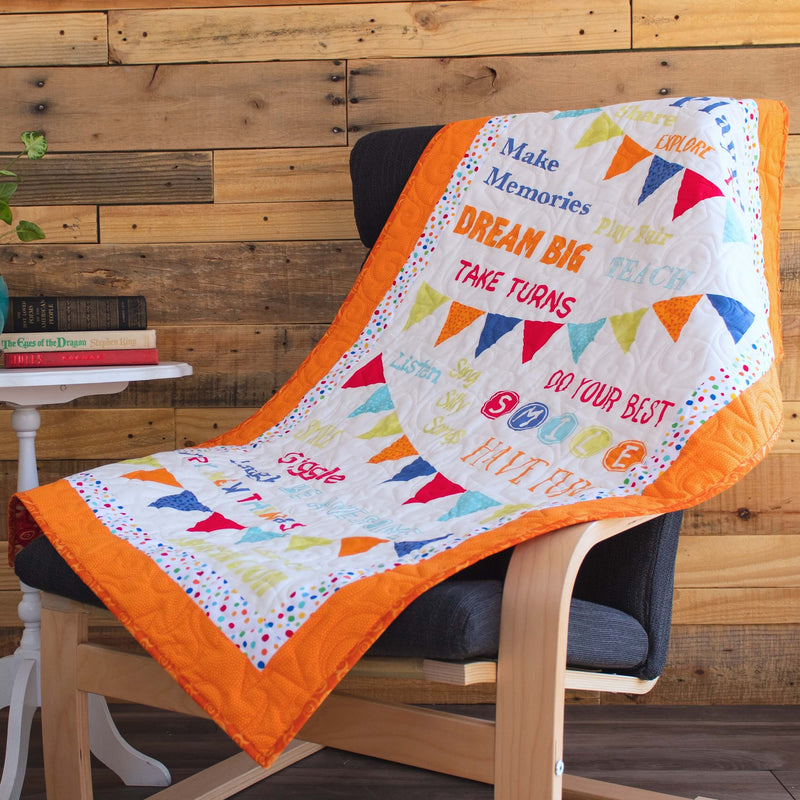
<point>298,542</point>
<point>625,327</point>
<point>675,313</point>
<point>258,535</point>
<point>495,327</point>
<point>535,335</point>
<point>659,173</point>
<point>416,469</point>
<point>216,522</point>
<point>581,335</point>
<point>379,400</point>
<point>162,475</point>
<point>371,373</point>
<point>151,460</point>
<point>469,503</point>
<point>576,112</point>
<point>733,231</point>
<point>184,501</point>
<point>506,511</point>
<point>628,155</point>
<point>737,318</point>
<point>426,302</point>
<point>694,188</point>
<point>438,487</point>
<point>353,545</point>
<point>401,448</point>
<point>601,130</point>
<point>388,426</point>
<point>404,548</point>
<point>458,318</point>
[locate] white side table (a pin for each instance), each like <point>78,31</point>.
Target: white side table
<point>25,390</point>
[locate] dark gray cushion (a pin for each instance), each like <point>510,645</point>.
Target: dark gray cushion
<point>455,620</point>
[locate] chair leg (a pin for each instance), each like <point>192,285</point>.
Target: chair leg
<point>65,714</point>
<point>532,662</point>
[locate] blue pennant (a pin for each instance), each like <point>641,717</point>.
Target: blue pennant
<point>578,112</point>
<point>733,231</point>
<point>660,172</point>
<point>258,535</point>
<point>416,469</point>
<point>736,317</point>
<point>469,503</point>
<point>404,548</point>
<point>581,335</point>
<point>185,501</point>
<point>380,400</point>
<point>494,328</point>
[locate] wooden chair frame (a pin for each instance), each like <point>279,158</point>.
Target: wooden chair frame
<point>521,753</point>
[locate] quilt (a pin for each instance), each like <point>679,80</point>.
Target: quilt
<point>569,316</point>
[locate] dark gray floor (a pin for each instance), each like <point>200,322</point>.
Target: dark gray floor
<point>725,753</point>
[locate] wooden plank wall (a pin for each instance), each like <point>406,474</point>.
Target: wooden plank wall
<point>198,155</point>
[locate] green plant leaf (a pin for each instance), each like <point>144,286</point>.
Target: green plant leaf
<point>5,212</point>
<point>7,189</point>
<point>8,172</point>
<point>35,144</point>
<point>29,231</point>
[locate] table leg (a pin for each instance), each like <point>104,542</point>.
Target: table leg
<point>19,673</point>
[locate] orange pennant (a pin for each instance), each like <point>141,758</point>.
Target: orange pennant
<point>156,475</point>
<point>400,448</point>
<point>458,318</point>
<point>628,155</point>
<point>675,313</point>
<point>353,545</point>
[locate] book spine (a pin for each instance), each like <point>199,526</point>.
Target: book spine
<point>76,313</point>
<point>81,358</point>
<point>77,340</point>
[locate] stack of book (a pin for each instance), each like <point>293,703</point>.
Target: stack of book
<point>77,331</point>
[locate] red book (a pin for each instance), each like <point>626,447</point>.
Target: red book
<point>80,358</point>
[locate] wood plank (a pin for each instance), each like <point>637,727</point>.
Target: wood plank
<point>730,785</point>
<point>95,433</point>
<point>232,222</point>
<point>61,224</point>
<point>789,441</point>
<point>397,30</point>
<point>116,178</point>
<point>234,365</point>
<point>748,606</point>
<point>736,22</point>
<point>749,738</point>
<point>738,561</point>
<point>27,39</point>
<point>286,282</point>
<point>790,780</point>
<point>48,6</point>
<point>767,488</point>
<point>790,207</point>
<point>288,175</point>
<point>391,93</point>
<point>206,106</point>
<point>196,425</point>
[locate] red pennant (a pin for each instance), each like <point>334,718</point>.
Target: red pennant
<point>438,487</point>
<point>371,373</point>
<point>694,188</point>
<point>536,335</point>
<point>216,522</point>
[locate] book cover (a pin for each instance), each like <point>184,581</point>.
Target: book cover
<point>80,358</point>
<point>77,340</point>
<point>76,313</point>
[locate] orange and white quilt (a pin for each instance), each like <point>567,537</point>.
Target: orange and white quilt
<point>569,316</point>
